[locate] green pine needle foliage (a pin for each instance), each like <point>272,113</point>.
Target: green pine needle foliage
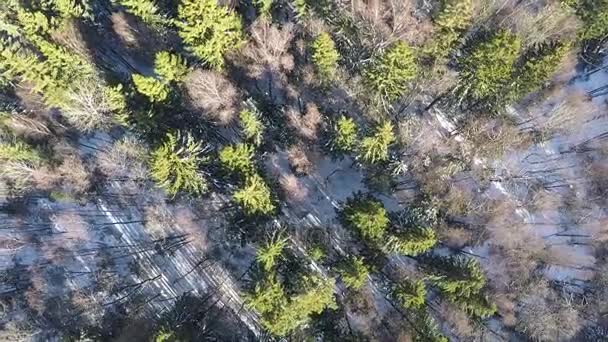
<point>301,8</point>
<point>411,242</point>
<point>540,62</point>
<point>269,254</point>
<point>174,165</point>
<point>264,7</point>
<point>390,75</point>
<point>367,216</point>
<point>70,8</point>
<point>410,294</point>
<point>146,10</point>
<point>325,56</point>
<point>164,336</point>
<point>594,14</point>
<point>268,297</point>
<point>476,305</point>
<point>426,329</point>
<point>255,197</point>
<point>153,89</point>
<point>354,273</point>
<point>455,276</point>
<point>345,135</point>
<point>18,152</point>
<point>238,158</point>
<point>170,67</point>
<point>252,126</point>
<point>318,296</point>
<point>374,149</point>
<point>486,73</point>
<point>209,30</point>
<point>281,314</point>
<point>451,22</point>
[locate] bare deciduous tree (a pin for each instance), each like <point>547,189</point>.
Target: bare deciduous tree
<point>212,93</point>
<point>124,160</point>
<point>545,316</point>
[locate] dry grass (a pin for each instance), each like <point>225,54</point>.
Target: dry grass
<point>307,124</point>
<point>75,175</point>
<point>298,160</point>
<point>293,188</point>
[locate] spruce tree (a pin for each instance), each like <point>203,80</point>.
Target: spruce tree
<point>594,14</point>
<point>457,276</point>
<point>462,281</point>
<point>411,241</point>
<point>344,135</point>
<point>146,10</point>
<point>486,73</point>
<point>318,295</point>
<point>174,165</point>
<point>367,216</point>
<point>426,329</point>
<point>238,158</point>
<point>451,22</point>
<point>390,75</point>
<point>254,197</point>
<point>154,89</point>
<point>268,255</point>
<point>170,67</point>
<point>354,272</point>
<point>264,7</point>
<point>18,152</point>
<point>539,63</point>
<point>209,30</point>
<point>325,56</point>
<point>476,305</point>
<point>252,126</point>
<point>410,294</point>
<point>267,298</point>
<point>374,148</point>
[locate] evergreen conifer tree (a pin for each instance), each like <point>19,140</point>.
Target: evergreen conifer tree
<point>255,197</point>
<point>318,295</point>
<point>238,158</point>
<point>453,19</point>
<point>344,135</point>
<point>374,148</point>
<point>264,6</point>
<point>268,254</point>
<point>486,73</point>
<point>539,63</point>
<point>153,89</point>
<point>354,273</point>
<point>367,216</point>
<point>426,329</point>
<point>389,76</point>
<point>594,14</point>
<point>174,165</point>
<point>455,275</point>
<point>325,56</point>
<point>147,10</point>
<point>170,67</point>
<point>411,242</point>
<point>410,294</point>
<point>209,30</point>
<point>268,297</point>
<point>253,128</point>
